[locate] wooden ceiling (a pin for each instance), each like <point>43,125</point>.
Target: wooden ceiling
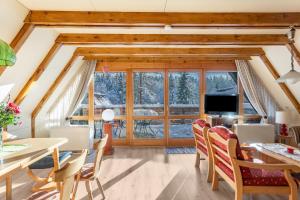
<point>53,19</point>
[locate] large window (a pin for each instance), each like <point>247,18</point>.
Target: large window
<point>148,93</point>
<point>183,101</point>
<point>110,92</point>
<point>155,106</point>
<point>221,83</point>
<point>183,93</point>
<point>148,102</point>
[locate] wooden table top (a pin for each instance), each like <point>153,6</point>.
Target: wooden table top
<point>35,149</point>
<point>282,158</point>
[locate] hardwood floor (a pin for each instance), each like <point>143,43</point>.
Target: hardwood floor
<point>144,174</point>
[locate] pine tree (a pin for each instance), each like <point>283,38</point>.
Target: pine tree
<point>184,92</point>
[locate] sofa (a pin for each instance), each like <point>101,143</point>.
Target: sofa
<point>80,137</point>
<point>255,133</point>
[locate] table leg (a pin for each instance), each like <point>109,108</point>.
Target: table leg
<point>56,164</point>
<point>8,187</point>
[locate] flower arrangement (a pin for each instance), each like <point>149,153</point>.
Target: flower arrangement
<point>9,114</point>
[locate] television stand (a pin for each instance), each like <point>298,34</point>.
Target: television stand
<point>216,120</point>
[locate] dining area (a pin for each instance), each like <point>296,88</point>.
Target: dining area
<point>249,169</point>
<point>62,170</point>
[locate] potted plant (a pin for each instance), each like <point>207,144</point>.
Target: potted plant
<point>9,115</point>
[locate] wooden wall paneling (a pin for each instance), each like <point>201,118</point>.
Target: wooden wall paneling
<point>292,48</point>
<point>20,39</point>
<point>238,20</point>
<point>176,39</point>
<point>283,86</point>
<point>52,88</point>
<point>38,72</point>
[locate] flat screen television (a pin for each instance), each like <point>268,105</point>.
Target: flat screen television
<point>221,104</point>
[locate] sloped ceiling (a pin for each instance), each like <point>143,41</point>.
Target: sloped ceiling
<point>12,14</point>
<point>165,5</point>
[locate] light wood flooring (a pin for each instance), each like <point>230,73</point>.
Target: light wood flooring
<point>145,174</point>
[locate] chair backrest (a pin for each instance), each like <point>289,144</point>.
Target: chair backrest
<point>295,132</point>
<point>65,177</point>
<point>224,147</point>
<point>200,128</point>
<point>99,149</point>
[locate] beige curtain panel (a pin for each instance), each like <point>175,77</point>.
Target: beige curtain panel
<point>72,95</point>
<point>258,95</point>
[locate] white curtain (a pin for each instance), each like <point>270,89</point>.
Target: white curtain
<point>72,95</point>
<point>258,95</point>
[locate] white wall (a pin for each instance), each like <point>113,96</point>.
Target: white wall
<point>12,14</point>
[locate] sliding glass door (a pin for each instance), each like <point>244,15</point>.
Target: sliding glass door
<point>184,103</point>
<point>148,107</point>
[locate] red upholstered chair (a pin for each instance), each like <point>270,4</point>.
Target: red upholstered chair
<point>200,128</point>
<point>243,176</point>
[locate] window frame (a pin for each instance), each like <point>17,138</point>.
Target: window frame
<point>165,67</point>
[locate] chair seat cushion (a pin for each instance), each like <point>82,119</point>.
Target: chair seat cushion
<point>87,171</point>
<point>47,162</point>
<point>43,195</point>
<point>260,177</point>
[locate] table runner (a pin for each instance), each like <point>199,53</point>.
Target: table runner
<point>282,150</point>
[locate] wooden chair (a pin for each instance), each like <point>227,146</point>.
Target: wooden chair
<point>66,180</point>
<point>200,128</point>
<point>91,171</point>
<point>243,176</point>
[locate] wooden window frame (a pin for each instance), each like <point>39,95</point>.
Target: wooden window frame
<point>165,68</point>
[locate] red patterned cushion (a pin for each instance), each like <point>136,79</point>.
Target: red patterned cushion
<point>227,134</point>
<point>202,123</point>
<point>260,177</point>
<point>202,148</point>
<point>225,169</point>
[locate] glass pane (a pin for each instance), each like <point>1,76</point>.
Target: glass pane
<point>110,92</point>
<point>148,129</point>
<point>181,128</point>
<point>82,109</point>
<point>248,108</point>
<point>79,122</point>
<point>148,93</point>
<point>221,83</point>
<point>184,93</point>
<point>119,129</point>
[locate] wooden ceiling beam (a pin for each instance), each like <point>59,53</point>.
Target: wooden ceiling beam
<point>37,73</point>
<point>176,59</point>
<point>176,39</point>
<point>150,51</point>
<point>236,20</point>
<point>52,88</point>
<point>19,40</point>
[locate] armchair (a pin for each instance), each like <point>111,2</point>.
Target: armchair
<point>200,128</point>
<point>243,176</point>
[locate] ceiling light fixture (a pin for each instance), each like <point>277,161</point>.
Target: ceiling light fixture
<point>292,76</point>
<point>168,27</point>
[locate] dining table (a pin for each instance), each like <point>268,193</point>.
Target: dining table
<point>21,153</point>
<point>278,153</point>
